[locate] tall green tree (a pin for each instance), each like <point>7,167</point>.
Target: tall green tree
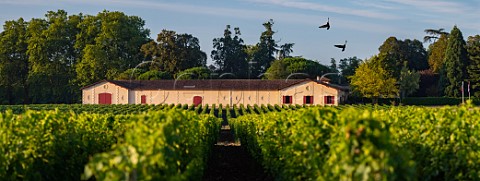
<point>110,43</point>
<point>473,48</point>
<point>14,62</point>
<point>456,63</point>
<point>390,56</point>
<point>229,53</point>
<point>371,80</point>
<point>174,52</point>
<point>52,57</point>
<point>266,48</point>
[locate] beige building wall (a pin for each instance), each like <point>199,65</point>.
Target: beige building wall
<point>299,91</point>
<point>318,91</point>
<point>237,97</point>
<point>321,91</point>
<point>120,95</point>
<point>209,97</point>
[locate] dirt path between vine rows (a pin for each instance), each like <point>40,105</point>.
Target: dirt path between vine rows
<point>230,161</point>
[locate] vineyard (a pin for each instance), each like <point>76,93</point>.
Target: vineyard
<point>369,143</point>
<point>288,142</point>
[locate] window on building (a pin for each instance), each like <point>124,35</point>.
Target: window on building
<point>307,99</point>
<point>329,99</point>
<point>144,99</point>
<point>287,99</point>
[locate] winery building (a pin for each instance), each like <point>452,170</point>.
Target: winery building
<point>225,92</point>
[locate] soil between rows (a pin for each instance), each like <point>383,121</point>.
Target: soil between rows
<point>230,161</point>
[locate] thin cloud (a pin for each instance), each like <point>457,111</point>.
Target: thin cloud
<point>238,13</point>
<point>377,5</point>
<point>327,8</point>
<point>435,5</point>
<point>262,15</point>
<point>22,2</point>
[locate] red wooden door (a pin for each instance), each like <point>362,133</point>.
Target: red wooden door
<point>197,100</point>
<point>104,98</point>
<point>144,99</point>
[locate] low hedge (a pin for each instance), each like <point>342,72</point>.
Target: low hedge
<point>436,101</point>
<point>415,101</point>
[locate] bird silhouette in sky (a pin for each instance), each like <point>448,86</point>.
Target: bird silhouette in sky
<point>326,25</point>
<point>342,46</point>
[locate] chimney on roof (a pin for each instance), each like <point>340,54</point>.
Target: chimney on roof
<point>318,78</point>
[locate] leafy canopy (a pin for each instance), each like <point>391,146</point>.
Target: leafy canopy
<point>373,81</point>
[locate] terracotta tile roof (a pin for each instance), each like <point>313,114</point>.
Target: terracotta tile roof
<point>215,84</point>
<point>335,86</point>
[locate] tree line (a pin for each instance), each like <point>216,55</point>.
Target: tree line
<point>403,66</point>
<point>48,60</point>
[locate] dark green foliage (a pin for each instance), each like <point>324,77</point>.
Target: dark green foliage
<point>264,51</point>
<point>473,47</point>
<point>435,101</point>
<point>295,68</point>
<point>14,61</point>
<point>229,54</point>
<point>456,63</point>
<point>109,44</point>
<point>394,53</point>
<point>408,82</point>
<point>174,52</point>
<point>278,70</point>
<point>428,86</point>
<point>130,74</point>
<point>194,73</point>
<point>155,75</point>
<point>285,50</point>
<point>346,67</point>
<point>52,58</point>
<point>66,52</point>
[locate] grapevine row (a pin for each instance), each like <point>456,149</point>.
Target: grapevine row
<point>139,108</point>
<point>348,143</point>
<point>57,145</point>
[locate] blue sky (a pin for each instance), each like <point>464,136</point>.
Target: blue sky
<point>364,23</point>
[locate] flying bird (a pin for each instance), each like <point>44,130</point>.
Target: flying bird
<point>342,46</point>
<point>326,25</point>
